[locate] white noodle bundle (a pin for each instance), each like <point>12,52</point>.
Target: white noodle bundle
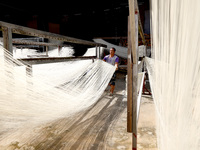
<point>54,91</point>
<point>175,72</point>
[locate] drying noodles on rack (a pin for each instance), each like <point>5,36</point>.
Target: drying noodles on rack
<point>175,72</point>
<point>53,91</point>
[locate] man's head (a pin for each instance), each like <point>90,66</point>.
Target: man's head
<point>112,51</point>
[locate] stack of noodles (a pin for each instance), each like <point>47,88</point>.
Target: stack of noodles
<point>175,72</point>
<point>54,91</point>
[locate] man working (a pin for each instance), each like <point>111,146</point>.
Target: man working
<point>113,60</point>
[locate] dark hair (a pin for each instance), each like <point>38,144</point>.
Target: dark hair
<point>113,48</point>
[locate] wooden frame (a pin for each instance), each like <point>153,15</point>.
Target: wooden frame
<point>45,60</point>
<point>8,29</point>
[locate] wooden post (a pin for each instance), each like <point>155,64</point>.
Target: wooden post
<point>7,39</point>
<point>47,49</point>
<point>135,94</point>
<point>129,84</point>
<point>99,52</point>
<point>7,44</point>
<point>96,51</point>
<point>133,21</point>
<point>132,28</point>
<point>59,50</point>
<point>136,37</point>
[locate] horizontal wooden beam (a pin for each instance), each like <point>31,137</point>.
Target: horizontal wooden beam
<point>45,60</point>
<point>38,33</point>
<point>27,42</point>
<point>111,38</point>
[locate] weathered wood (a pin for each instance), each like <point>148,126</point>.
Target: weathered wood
<point>47,49</point>
<point>111,38</point>
<point>45,60</point>
<point>7,39</point>
<point>136,37</point>
<point>33,32</point>
<point>135,79</point>
<point>134,46</point>
<point>26,42</point>
<point>96,51</point>
<point>99,52</point>
<point>132,28</point>
<point>129,84</point>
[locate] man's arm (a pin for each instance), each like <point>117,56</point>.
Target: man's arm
<point>116,65</point>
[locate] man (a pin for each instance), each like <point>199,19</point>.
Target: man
<point>113,60</point>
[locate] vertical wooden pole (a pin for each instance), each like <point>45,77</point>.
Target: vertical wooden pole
<point>99,52</point>
<point>135,78</point>
<point>7,39</point>
<point>132,28</point>
<point>58,50</point>
<point>134,43</point>
<point>96,51</point>
<point>7,44</point>
<point>47,49</point>
<point>136,37</point>
<point>129,84</point>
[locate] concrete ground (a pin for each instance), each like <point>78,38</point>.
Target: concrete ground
<point>100,127</point>
<point>147,125</point>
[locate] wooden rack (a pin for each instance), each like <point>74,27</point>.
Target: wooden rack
<point>8,29</point>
